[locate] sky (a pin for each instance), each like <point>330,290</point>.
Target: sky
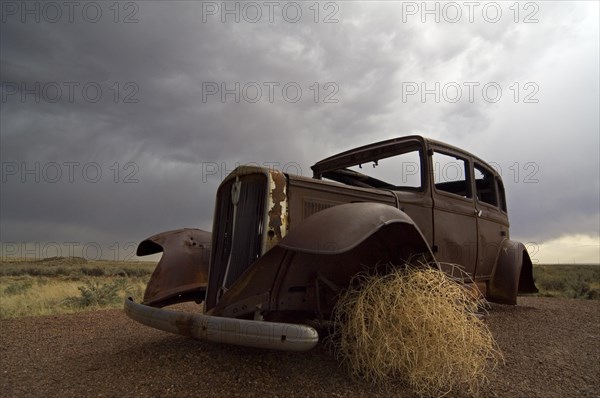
<point>118,120</point>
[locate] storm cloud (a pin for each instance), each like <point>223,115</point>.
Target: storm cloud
<point>119,120</point>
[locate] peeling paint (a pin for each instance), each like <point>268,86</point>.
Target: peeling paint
<point>277,210</point>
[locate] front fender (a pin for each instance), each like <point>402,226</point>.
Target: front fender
<point>319,257</point>
<point>513,274</point>
<point>342,228</point>
<point>182,272</point>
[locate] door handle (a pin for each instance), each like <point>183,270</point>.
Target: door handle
<point>478,212</point>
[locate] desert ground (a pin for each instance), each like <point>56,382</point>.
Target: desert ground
<point>551,348</point>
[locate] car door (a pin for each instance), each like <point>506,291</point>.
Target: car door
<point>454,212</point>
<point>492,219</point>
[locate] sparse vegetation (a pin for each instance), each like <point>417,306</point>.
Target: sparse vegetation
<point>75,267</point>
<point>414,325</point>
<point>18,287</point>
<point>52,286</point>
<point>580,281</point>
<point>64,285</point>
<point>94,293</point>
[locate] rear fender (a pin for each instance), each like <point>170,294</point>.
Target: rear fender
<point>182,272</point>
<point>513,274</point>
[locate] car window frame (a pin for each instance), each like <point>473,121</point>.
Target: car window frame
<point>490,172</point>
<point>468,174</point>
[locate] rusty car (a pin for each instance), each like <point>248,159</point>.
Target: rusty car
<point>283,246</point>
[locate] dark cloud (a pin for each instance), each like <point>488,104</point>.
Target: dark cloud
<point>156,123</point>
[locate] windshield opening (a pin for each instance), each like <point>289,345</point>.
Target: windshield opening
<point>401,171</point>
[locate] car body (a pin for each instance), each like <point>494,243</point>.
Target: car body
<point>283,246</point>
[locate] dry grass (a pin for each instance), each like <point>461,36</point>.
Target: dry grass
<point>25,296</point>
<point>32,296</point>
<point>64,285</point>
<point>415,325</point>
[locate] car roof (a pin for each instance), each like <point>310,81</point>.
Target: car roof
<point>386,148</point>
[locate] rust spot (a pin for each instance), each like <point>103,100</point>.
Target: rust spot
<point>278,196</point>
<point>185,325</point>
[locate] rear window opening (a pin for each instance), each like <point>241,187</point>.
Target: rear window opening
<point>485,186</point>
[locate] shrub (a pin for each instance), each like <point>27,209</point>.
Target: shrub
<point>593,294</point>
<point>550,283</point>
<point>582,289</point>
<point>416,325</point>
<point>18,288</point>
<point>93,271</point>
<point>94,293</point>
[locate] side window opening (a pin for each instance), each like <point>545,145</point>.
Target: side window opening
<point>485,186</point>
<point>450,174</point>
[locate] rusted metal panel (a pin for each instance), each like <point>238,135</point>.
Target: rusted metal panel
<point>182,272</point>
<point>513,274</point>
<point>325,250</point>
<point>492,229</point>
<point>308,196</point>
<point>341,228</point>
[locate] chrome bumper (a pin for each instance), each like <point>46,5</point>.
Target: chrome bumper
<point>248,333</point>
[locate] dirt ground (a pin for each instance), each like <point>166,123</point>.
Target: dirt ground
<point>551,347</point>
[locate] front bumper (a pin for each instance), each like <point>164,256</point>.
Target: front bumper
<point>248,333</point>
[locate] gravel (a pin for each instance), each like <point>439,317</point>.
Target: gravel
<point>551,348</point>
